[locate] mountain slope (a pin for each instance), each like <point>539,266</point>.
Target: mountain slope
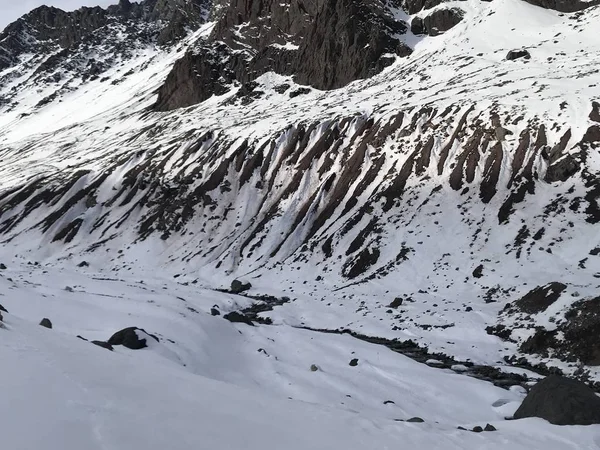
<point>455,178</point>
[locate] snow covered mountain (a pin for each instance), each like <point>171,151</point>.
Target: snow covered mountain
<point>414,171</point>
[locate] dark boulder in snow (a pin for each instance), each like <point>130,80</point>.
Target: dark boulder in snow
<point>214,312</point>
<point>396,303</point>
<point>478,272</point>
<point>354,362</point>
<point>561,401</point>
<point>415,420</point>
<point>237,317</point>
<point>133,338</point>
<point>238,287</point>
<point>518,54</point>
<point>46,323</point>
<point>2,266</point>
<point>3,309</point>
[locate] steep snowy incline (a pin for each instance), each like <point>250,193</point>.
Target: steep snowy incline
<point>456,179</point>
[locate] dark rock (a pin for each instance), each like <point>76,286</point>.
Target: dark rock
<point>517,54</point>
<point>562,170</point>
<point>103,344</point>
<point>128,337</point>
<point>3,309</point>
<point>314,368</point>
<point>389,402</point>
<point>489,427</point>
<point>396,302</point>
<point>437,22</point>
<point>238,287</point>
<point>82,338</point>
<point>1,317</point>
<point>237,317</point>
<point>468,309</point>
<point>215,312</point>
<point>354,362</point>
<point>595,114</point>
<point>478,272</point>
<point>540,298</point>
<point>46,323</point>
<point>299,91</point>
<point>477,429</point>
<point>2,266</point>
<point>83,264</point>
<point>415,420</point>
<point>561,401</point>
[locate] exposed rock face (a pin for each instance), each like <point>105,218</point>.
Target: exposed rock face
<point>566,6</point>
<point>347,42</point>
<point>323,43</point>
<point>197,76</point>
<point>561,401</point>
<point>540,298</point>
<point>437,22</point>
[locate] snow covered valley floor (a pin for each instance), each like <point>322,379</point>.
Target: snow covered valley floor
<point>212,384</point>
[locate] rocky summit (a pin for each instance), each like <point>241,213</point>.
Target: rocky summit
<point>271,187</point>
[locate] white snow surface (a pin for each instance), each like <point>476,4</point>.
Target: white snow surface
<point>212,384</point>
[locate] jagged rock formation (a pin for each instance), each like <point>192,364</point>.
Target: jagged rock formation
<point>325,44</point>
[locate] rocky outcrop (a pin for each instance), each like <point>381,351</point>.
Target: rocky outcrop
<point>561,401</point>
<point>322,43</point>
<point>438,22</point>
<point>200,74</point>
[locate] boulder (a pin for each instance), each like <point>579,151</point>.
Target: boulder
<point>46,323</point>
<point>2,266</point>
<point>3,309</point>
<point>354,362</point>
<point>396,303</point>
<point>415,420</point>
<point>561,401</point>
<point>236,317</point>
<point>518,54</point>
<point>478,272</point>
<point>130,338</point>
<point>238,287</point>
